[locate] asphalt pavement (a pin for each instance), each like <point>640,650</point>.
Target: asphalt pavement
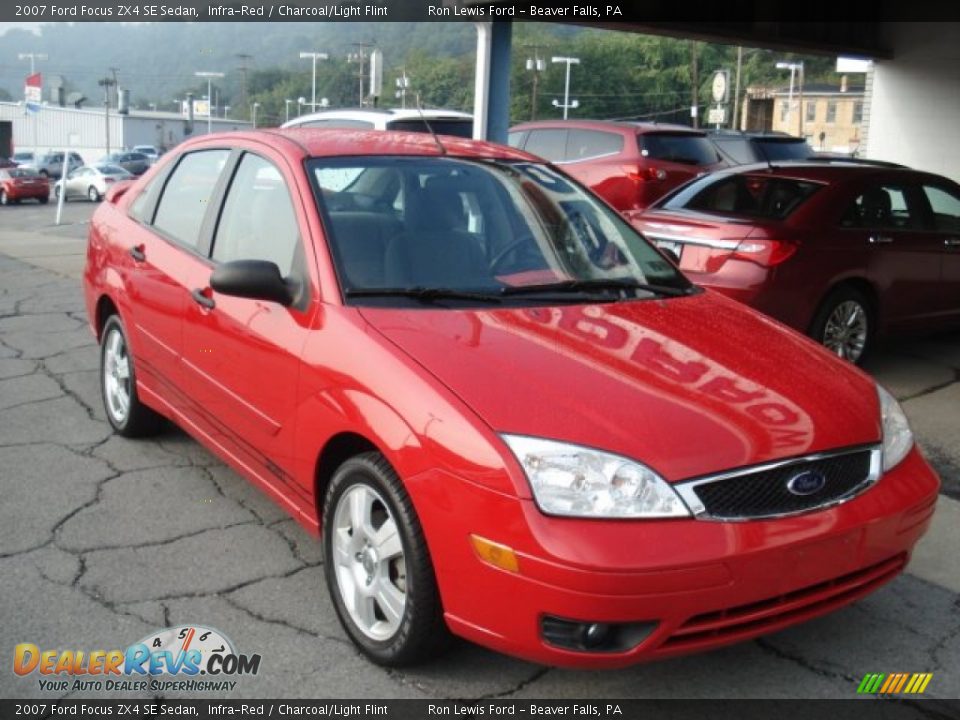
<point>105,540</point>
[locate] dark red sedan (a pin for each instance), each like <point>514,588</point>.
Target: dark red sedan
<point>843,251</point>
<point>508,415</point>
<point>628,164</point>
<point>18,184</point>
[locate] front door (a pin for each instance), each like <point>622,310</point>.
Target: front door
<point>241,357</point>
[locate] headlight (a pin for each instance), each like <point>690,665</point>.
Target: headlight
<point>897,437</point>
<point>582,482</point>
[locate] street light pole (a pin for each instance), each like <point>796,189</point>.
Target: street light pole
<point>286,110</point>
<point>566,88</point>
<point>209,76</point>
<point>314,56</point>
<point>254,114</point>
<point>793,68</point>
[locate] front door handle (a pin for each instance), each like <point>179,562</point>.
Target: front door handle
<point>136,252</point>
<point>952,242</point>
<point>880,240</point>
<point>201,298</point>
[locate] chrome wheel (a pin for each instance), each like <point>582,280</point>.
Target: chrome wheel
<point>370,567</point>
<point>93,194</point>
<point>846,330</point>
<point>116,376</point>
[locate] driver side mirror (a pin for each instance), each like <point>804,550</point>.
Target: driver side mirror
<point>254,279</point>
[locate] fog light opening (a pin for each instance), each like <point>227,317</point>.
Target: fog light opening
<point>590,636</point>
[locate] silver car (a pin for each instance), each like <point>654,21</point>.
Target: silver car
<point>91,181</point>
<point>51,164</point>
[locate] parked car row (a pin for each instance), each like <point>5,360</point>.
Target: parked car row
<point>844,250</point>
<point>509,417</point>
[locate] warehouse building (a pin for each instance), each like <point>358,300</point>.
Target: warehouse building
<point>85,130</point>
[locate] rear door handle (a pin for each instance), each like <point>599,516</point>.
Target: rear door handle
<point>136,252</point>
<point>880,240</point>
<point>201,298</point>
<point>952,242</point>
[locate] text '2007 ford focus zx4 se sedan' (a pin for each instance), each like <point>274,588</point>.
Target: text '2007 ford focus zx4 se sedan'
<point>509,417</point>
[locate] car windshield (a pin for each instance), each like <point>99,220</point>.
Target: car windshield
<point>685,148</point>
<point>749,195</point>
<point>22,173</point>
<point>411,230</point>
<point>459,127</point>
<point>784,149</point>
<point>23,157</point>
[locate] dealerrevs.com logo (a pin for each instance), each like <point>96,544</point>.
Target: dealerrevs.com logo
<point>187,658</point>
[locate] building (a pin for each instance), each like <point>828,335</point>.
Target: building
<point>85,130</point>
<point>832,115</point>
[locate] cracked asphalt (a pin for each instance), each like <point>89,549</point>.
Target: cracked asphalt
<point>104,540</point>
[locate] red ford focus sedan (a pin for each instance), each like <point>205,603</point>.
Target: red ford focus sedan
<point>846,252</point>
<point>509,417</point>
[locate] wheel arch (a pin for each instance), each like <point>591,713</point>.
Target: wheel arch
<point>861,285</point>
<point>105,308</point>
<point>338,449</point>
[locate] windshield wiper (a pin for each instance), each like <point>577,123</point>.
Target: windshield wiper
<point>426,294</point>
<point>598,285</point>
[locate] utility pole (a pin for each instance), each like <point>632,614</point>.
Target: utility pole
<point>243,67</point>
<point>209,76</point>
<point>695,90</point>
<point>106,83</point>
<point>360,57</point>
<point>537,65</point>
<point>403,84</point>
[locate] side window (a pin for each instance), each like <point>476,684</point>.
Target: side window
<point>187,195</point>
<point>945,207</point>
<point>516,138</point>
<point>258,221</point>
<point>585,144</point>
<point>139,206</point>
<point>549,144</point>
<point>881,207</point>
<point>737,149</point>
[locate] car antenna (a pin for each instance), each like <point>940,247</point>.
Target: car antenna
<point>766,157</point>
<point>436,138</point>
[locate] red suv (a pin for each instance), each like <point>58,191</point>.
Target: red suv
<point>510,417</point>
<point>844,251</point>
<point>627,164</point>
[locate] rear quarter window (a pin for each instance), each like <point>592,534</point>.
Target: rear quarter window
<point>548,143</point>
<point>586,144</point>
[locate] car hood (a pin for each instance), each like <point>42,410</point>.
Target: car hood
<point>689,386</point>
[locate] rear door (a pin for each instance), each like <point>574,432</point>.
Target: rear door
<point>887,217</point>
<point>163,245</point>
<point>943,220</point>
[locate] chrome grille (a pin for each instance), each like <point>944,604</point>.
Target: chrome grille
<point>762,491</point>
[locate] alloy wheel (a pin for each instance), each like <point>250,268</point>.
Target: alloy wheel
<point>846,330</point>
<point>370,567</point>
<point>116,376</point>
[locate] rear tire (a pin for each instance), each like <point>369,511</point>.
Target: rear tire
<point>377,565</point>
<point>118,385</point>
<point>44,200</point>
<point>93,194</point>
<point>4,198</point>
<point>845,324</point>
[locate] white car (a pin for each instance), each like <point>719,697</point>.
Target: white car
<point>442,122</point>
<point>91,181</point>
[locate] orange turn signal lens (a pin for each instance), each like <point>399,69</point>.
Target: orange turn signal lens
<point>495,554</point>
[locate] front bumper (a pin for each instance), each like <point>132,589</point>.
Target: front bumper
<point>704,583</point>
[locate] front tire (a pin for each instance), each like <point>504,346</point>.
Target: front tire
<point>845,324</point>
<point>378,567</point>
<point>118,385</point>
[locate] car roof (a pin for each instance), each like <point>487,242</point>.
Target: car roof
<point>317,142</point>
<point>375,114</point>
<point>771,136</point>
<point>607,125</point>
<point>824,171</point>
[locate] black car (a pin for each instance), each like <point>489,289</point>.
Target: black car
<point>743,148</point>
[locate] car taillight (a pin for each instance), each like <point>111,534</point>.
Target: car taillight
<point>109,180</point>
<point>650,174</point>
<point>765,252</point>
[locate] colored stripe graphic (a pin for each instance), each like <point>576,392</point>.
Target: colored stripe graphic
<point>894,683</point>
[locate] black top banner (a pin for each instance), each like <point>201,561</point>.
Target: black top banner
<point>604,12</point>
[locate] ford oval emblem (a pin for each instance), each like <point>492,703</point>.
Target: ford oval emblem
<point>806,483</point>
